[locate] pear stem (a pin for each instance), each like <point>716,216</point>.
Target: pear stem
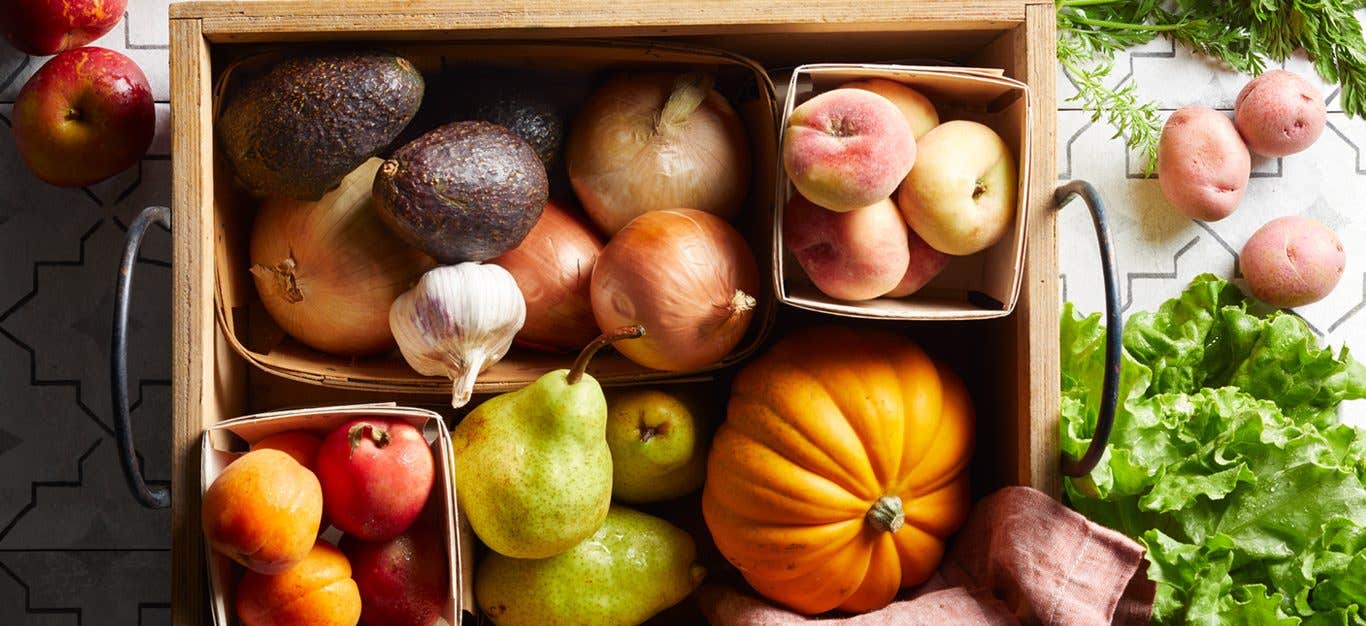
<point>581,363</point>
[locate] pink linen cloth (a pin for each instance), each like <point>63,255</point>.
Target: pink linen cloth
<point>1021,558</point>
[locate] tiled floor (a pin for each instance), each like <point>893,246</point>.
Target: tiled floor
<point>76,549</point>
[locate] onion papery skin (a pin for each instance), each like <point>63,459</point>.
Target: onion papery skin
<point>327,270</point>
<point>553,267</point>
<point>685,275</point>
<point>626,156</point>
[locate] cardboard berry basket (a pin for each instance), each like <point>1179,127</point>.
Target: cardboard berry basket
<point>1009,361</point>
<point>223,442</point>
<point>983,285</point>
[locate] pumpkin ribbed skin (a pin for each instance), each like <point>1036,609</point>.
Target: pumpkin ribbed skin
<point>817,430</point>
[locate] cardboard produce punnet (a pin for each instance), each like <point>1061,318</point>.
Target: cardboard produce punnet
<point>221,444</point>
<point>978,286</point>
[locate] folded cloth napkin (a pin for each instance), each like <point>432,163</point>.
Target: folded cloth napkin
<point>1022,557</point>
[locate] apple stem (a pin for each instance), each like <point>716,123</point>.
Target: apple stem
<point>978,189</point>
<point>378,435</point>
<point>581,363</point>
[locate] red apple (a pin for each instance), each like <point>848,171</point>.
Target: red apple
<point>404,581</point>
<point>43,27</point>
<point>86,115</point>
<point>376,475</point>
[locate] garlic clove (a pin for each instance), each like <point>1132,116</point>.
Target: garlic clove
<point>458,321</point>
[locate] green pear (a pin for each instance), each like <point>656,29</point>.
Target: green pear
<point>533,474</point>
<point>633,567</point>
<point>658,449</point>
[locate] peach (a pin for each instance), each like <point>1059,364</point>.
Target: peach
<point>319,591</point>
<point>961,195</point>
<point>918,109</point>
<point>847,148</point>
<point>1202,164</point>
<point>1279,113</point>
<point>263,511</point>
<point>854,255</point>
<point>1292,261</point>
<point>925,264</point>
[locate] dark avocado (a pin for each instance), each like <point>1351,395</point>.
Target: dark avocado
<point>466,191</point>
<point>297,128</point>
<point>518,102</point>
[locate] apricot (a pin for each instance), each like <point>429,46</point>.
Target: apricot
<point>263,511</point>
<point>301,445</point>
<point>318,591</point>
<point>847,148</point>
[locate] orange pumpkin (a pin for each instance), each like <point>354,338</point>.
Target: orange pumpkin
<point>840,469</point>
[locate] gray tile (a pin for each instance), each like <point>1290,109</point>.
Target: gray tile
<point>92,588</point>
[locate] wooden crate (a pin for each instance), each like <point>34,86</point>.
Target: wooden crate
<point>1015,358</point>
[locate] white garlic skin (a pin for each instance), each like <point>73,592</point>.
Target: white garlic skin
<point>458,321</point>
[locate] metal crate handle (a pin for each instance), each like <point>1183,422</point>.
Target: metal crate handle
<point>1114,325</point>
<point>150,496</point>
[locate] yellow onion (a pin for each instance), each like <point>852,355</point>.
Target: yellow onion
<point>553,267</point>
<point>686,276</point>
<point>327,270</point>
<point>645,142</point>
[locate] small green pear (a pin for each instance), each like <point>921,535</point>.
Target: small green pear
<point>633,567</point>
<point>658,444</point>
<point>533,474</point>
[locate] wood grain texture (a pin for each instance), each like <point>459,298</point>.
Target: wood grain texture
<point>192,368</point>
<point>1037,315</point>
<point>277,19</point>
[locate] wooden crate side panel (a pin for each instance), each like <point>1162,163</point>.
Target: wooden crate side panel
<point>192,372</point>
<point>237,21</point>
<point>1039,306</point>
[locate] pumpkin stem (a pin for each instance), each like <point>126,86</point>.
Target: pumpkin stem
<point>581,363</point>
<point>378,435</point>
<point>886,515</point>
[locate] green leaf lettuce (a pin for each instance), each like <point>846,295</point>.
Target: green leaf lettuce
<point>1226,459</point>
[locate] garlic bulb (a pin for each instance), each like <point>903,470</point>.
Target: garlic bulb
<point>458,321</point>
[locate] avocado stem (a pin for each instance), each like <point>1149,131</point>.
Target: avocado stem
<point>581,363</point>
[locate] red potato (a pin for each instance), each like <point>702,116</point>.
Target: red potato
<point>856,255</point>
<point>376,475</point>
<point>1202,165</point>
<point>1292,261</point>
<point>925,264</point>
<point>847,148</point>
<point>1279,113</point>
